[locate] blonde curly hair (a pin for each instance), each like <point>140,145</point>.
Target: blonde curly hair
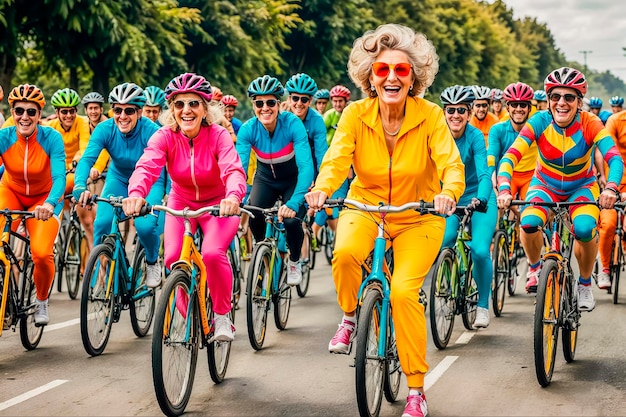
<point>420,51</point>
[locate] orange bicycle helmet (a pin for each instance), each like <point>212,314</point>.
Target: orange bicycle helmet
<point>27,92</point>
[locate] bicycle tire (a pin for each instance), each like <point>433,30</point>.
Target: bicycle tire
<point>545,326</point>
<point>514,261</point>
<point>97,301</point>
<point>571,316</point>
<point>329,247</point>
<point>173,376</point>
<point>303,287</point>
<point>442,302</point>
<point>282,301</point>
<point>59,253</point>
<point>617,259</point>
<point>143,301</point>
<point>70,267</point>
<point>236,290</point>
<point>501,272</point>
<point>470,299</point>
<point>218,353</point>
<point>30,333</point>
<point>369,368</point>
<point>393,369</point>
<point>258,295</point>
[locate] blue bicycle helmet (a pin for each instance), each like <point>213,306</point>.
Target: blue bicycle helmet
<point>266,85</point>
<point>324,94</point>
<point>154,96</point>
<point>301,84</point>
<point>616,101</point>
<point>595,103</point>
<point>457,94</point>
<point>540,95</point>
<point>127,93</point>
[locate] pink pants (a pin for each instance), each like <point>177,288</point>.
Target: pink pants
<point>218,233</point>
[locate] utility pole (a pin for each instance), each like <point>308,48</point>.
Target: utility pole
<point>585,57</point>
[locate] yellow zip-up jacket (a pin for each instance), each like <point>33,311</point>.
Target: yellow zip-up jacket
<point>425,161</point>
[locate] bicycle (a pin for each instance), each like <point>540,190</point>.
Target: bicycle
<point>112,284</point>
<point>377,365</point>
<point>17,300</point>
<point>234,255</point>
<point>184,323</point>
<point>308,258</point>
<point>267,279</point>
<point>327,241</point>
<point>453,290</point>
<point>70,258</point>
<point>618,260</point>
<point>557,293</point>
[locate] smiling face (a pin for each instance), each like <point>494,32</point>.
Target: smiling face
<point>266,114</point>
<point>496,106</point>
<point>457,122</point>
<point>189,110</point>
<point>152,112</point>
<point>391,88</point>
<point>24,123</point>
<point>94,112</point>
<point>481,107</point>
<point>126,122</point>
<point>564,112</point>
<point>297,106</point>
<point>519,111</point>
<point>320,105</point>
<point>229,113</point>
<point>66,116</point>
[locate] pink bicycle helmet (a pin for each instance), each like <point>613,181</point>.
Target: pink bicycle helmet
<point>229,100</point>
<point>189,83</point>
<point>340,91</point>
<point>566,77</point>
<point>518,92</point>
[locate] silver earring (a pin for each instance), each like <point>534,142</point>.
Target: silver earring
<point>372,88</point>
<point>411,88</point>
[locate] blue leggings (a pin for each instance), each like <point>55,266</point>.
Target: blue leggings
<point>483,228</point>
<point>149,229</point>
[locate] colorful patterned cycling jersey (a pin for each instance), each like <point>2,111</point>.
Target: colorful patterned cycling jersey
<point>501,137</point>
<point>284,156</point>
<point>565,162</point>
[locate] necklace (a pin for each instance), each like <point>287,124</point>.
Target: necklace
<point>393,133</point>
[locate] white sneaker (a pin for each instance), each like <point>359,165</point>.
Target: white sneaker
<point>586,302</point>
<point>153,275</point>
<point>604,281</point>
<point>224,329</point>
<point>41,313</point>
<point>294,272</point>
<point>482,318</point>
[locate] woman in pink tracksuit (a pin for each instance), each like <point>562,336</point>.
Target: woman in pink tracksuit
<point>205,170</point>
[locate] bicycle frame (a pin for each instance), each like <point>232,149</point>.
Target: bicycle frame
<point>463,256</point>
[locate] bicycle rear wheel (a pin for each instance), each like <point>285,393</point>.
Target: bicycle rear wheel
<point>329,247</point>
<point>501,272</point>
<point>143,299</point>
<point>282,301</point>
<point>70,267</point>
<point>617,257</point>
<point>258,295</point>
<point>236,292</point>
<point>471,298</point>
<point>546,326</point>
<point>96,303</point>
<point>369,367</point>
<point>175,344</point>
<point>303,287</point>
<point>442,303</point>
<point>30,333</point>
<point>218,352</point>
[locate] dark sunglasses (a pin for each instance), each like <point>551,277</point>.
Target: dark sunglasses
<point>180,104</point>
<point>521,105</point>
<point>66,111</point>
<point>452,110</point>
<point>260,103</point>
<point>382,69</point>
<point>569,98</point>
<point>129,111</point>
<point>481,105</point>
<point>296,99</point>
<point>20,111</point>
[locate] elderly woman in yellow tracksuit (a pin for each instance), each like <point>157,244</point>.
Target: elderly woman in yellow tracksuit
<point>402,151</point>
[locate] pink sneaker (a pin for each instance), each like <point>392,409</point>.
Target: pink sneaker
<point>415,406</point>
<point>531,280</point>
<point>340,343</point>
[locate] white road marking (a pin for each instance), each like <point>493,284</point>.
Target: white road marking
<point>434,375</point>
<point>32,393</point>
<point>62,325</point>
<point>465,338</point>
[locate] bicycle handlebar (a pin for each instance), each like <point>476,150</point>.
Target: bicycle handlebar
<point>187,213</point>
<point>417,206</point>
<point>8,213</point>
<point>555,204</point>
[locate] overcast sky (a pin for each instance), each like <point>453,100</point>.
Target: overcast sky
<point>598,26</point>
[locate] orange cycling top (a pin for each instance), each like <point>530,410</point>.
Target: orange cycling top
<point>616,125</point>
<point>34,165</point>
<point>75,141</point>
<point>485,124</point>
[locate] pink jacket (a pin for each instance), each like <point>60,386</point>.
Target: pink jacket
<point>205,169</point>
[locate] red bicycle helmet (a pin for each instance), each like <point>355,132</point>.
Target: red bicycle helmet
<point>518,92</point>
<point>566,77</point>
<point>340,91</point>
<point>229,100</point>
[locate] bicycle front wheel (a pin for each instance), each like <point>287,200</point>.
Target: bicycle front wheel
<point>369,367</point>
<point>571,317</point>
<point>282,301</point>
<point>258,295</point>
<point>70,267</point>
<point>617,257</point>
<point>143,300</point>
<point>442,304</point>
<point>501,272</point>
<point>30,333</point>
<point>546,327</point>
<point>175,344</point>
<point>96,303</point>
